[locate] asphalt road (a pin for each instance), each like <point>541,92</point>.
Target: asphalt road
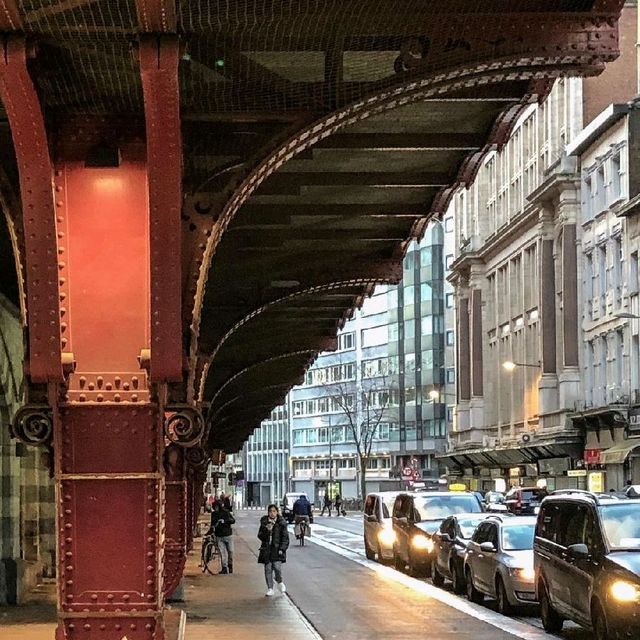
<point>356,600</point>
<point>347,534</point>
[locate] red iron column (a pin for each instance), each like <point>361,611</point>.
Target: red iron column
<point>102,230</point>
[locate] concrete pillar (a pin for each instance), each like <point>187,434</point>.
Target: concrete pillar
<point>463,357</point>
<point>569,378</point>
<point>548,384</point>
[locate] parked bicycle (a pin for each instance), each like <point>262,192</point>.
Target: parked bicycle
<point>210,557</point>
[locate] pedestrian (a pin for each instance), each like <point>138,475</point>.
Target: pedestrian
<point>338,502</point>
<point>274,537</point>
<point>221,521</point>
<point>225,501</point>
<point>326,504</point>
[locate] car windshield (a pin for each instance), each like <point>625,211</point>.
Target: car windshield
<point>387,506</point>
<point>437,507</point>
<point>621,524</point>
<point>518,537</point>
<point>291,499</point>
<point>467,527</point>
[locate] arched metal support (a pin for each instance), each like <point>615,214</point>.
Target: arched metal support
<point>283,301</point>
<point>502,51</point>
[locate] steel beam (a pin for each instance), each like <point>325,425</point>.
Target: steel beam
<point>21,103</point>
<point>159,68</point>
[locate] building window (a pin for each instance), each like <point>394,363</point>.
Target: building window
<point>633,273</point>
<point>451,376</point>
<point>448,261</point>
<point>449,300</point>
<point>298,437</point>
<point>425,257</point>
<point>616,191</point>
<point>408,261</point>
<point>449,414</point>
<point>382,431</point>
<point>449,338</point>
<point>346,463</point>
<point>448,224</point>
<point>346,341</point>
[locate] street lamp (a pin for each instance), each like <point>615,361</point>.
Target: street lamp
<point>510,366</point>
<point>435,395</point>
<point>625,314</point>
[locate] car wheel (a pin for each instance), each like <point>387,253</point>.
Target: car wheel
<point>551,620</point>
<point>436,577</point>
<point>457,578</point>
<point>472,593</point>
<point>368,552</point>
<point>380,557</point>
<point>504,606</point>
<point>599,621</point>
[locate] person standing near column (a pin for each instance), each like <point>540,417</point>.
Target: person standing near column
<point>221,521</point>
<point>274,537</point>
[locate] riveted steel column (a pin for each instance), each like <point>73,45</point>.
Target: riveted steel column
<point>159,58</point>
<point>21,103</point>
<point>176,501</point>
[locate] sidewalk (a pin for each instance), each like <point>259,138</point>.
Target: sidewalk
<point>232,607</point>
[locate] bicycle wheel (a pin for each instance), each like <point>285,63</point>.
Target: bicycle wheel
<point>213,560</point>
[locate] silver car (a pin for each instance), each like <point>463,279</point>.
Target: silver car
<point>499,562</point>
<point>379,535</point>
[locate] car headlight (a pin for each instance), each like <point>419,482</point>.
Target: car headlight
<point>526,574</point>
<point>423,543</point>
<point>623,591</point>
<point>387,536</point>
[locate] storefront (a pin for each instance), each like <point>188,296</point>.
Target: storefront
<point>552,463</point>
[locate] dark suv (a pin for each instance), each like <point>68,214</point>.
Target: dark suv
<point>416,517</point>
<point>523,500</point>
<point>587,563</point>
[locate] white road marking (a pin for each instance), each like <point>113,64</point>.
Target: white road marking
<point>510,625</point>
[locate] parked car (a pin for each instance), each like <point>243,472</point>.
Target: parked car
<point>378,528</point>
<point>499,562</point>
<point>450,543</point>
<point>416,517</point>
<point>287,505</point>
<point>587,560</point>
<point>524,500</point>
<point>494,502</point>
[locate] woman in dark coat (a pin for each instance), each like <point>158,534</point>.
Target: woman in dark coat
<point>273,552</point>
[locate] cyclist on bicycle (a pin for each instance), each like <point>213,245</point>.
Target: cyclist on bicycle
<point>302,512</point>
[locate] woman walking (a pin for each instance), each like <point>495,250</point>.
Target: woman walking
<point>273,552</point>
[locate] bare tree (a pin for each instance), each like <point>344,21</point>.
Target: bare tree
<point>364,403</point>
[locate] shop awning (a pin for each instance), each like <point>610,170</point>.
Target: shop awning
<point>618,453</point>
<point>510,456</point>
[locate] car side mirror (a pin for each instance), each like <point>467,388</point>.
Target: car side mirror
<point>487,547</point>
<point>578,551</point>
<point>372,518</point>
<point>445,537</point>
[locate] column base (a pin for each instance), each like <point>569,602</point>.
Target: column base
<point>175,624</point>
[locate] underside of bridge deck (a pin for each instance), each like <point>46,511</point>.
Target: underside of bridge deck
<point>195,197</point>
